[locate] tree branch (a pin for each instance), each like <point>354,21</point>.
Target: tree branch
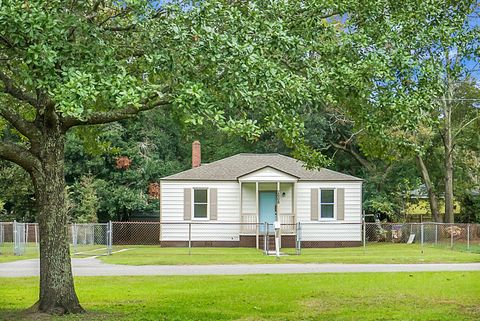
<point>119,29</point>
<point>14,91</point>
<point>96,5</point>
<point>20,156</point>
<point>361,160</point>
<point>111,116</point>
<point>465,125</point>
<point>6,41</point>
<point>25,127</point>
<point>127,27</point>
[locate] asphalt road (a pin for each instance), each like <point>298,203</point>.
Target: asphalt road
<point>95,267</point>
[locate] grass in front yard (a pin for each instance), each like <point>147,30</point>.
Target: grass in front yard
<point>374,253</point>
<point>6,252</point>
<point>356,296</point>
<point>32,252</point>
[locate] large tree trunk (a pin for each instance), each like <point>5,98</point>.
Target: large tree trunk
<point>448,164</point>
<point>57,292</point>
<point>432,197</point>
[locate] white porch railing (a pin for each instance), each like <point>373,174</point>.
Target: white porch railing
<point>249,228</point>
<point>287,222</point>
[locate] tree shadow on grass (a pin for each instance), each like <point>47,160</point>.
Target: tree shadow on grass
<point>26,315</point>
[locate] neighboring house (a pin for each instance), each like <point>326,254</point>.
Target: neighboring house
<point>258,188</point>
<point>417,206</point>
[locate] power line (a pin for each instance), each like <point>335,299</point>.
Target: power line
<point>460,99</point>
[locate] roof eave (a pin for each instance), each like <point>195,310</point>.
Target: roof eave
<point>267,166</point>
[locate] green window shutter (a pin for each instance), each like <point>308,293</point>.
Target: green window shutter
<point>187,204</point>
<point>314,204</point>
<point>213,204</point>
<point>340,204</point>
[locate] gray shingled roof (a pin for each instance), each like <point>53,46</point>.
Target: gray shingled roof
<point>231,168</point>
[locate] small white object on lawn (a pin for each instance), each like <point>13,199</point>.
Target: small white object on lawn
<point>411,238</point>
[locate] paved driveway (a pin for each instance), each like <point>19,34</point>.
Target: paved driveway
<point>94,267</point>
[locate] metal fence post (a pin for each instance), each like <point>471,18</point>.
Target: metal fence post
<point>421,236</point>
<point>25,232</point>
<point>299,238</point>
<point>15,240</point>
<point>468,237</point>
<point>93,229</point>
<point>189,238</point>
<point>451,236</point>
<point>265,238</point>
<point>109,237</point>
<point>436,233</point>
<point>74,237</point>
<point>364,239</point>
<point>18,238</point>
<point>1,237</point>
<point>36,235</point>
<point>257,241</point>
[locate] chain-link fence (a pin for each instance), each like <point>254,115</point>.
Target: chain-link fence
<point>18,238</point>
<point>6,240</point>
<point>91,239</point>
<point>22,239</point>
<point>329,234</point>
<point>196,235</point>
<point>463,237</point>
<point>95,239</point>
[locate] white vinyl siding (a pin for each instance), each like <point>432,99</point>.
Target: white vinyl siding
<point>330,230</point>
<point>285,204</point>
<point>248,198</point>
<point>172,211</point>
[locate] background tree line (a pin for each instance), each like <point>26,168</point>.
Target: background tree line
<point>158,144</point>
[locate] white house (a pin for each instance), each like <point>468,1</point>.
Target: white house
<point>258,188</point>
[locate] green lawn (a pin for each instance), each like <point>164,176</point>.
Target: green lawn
<point>31,252</point>
<point>356,296</point>
<point>6,252</point>
<point>374,253</point>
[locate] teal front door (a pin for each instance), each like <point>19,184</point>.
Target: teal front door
<point>267,205</point>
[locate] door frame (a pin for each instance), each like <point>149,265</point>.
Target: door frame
<point>276,203</point>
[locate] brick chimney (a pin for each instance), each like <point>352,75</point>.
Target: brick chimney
<point>196,154</point>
